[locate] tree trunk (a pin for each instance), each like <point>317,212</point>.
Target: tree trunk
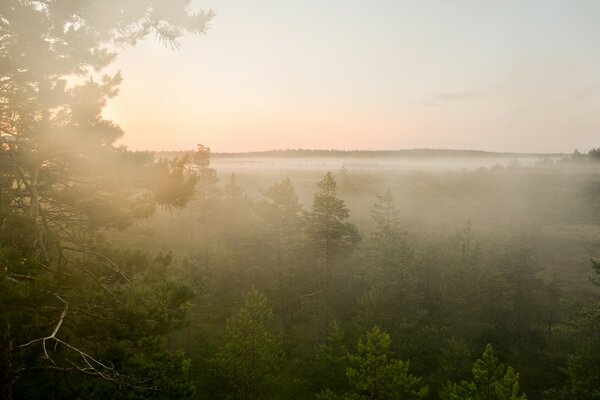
<point>35,212</point>
<point>6,372</point>
<point>282,302</point>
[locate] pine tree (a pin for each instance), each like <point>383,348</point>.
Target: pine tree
<point>374,375</point>
<point>583,367</point>
<point>252,354</point>
<point>205,198</point>
<point>331,234</point>
<point>390,278</point>
<point>331,359</point>
<point>66,185</point>
<point>389,244</point>
<point>236,215</point>
<point>492,380</point>
<point>280,210</point>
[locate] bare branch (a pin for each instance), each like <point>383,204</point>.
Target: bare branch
<point>109,263</point>
<point>88,365</point>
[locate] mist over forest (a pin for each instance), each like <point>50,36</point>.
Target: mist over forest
<point>325,274</point>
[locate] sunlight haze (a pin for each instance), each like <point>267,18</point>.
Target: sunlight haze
<point>292,200</point>
<point>498,76</point>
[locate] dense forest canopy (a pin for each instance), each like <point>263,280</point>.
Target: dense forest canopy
<point>465,282</point>
<point>142,276</point>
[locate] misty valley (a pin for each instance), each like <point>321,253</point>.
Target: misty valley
<point>299,200</point>
<point>413,271</point>
<point>289,280</point>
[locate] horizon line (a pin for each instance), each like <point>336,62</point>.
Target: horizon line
<point>346,151</point>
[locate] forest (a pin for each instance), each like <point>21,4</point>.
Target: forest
<point>160,275</point>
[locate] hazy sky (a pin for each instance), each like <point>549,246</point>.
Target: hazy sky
<point>381,74</point>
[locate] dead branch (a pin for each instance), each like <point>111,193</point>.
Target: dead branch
<point>108,262</point>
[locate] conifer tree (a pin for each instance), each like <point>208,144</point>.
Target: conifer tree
<point>331,359</point>
<point>66,186</point>
<point>206,197</point>
<point>280,210</point>
<point>390,278</point>
<point>330,233</point>
<point>389,244</point>
<point>252,354</point>
<point>374,375</point>
<point>492,380</point>
<point>582,369</point>
<point>236,214</point>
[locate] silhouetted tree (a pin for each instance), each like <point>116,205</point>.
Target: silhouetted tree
<point>65,184</point>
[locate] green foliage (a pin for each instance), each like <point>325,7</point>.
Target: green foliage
<point>82,317</point>
<point>373,374</point>
<point>80,306</point>
<point>331,236</point>
<point>390,280</point>
<point>596,267</point>
<point>582,375</point>
<point>121,336</point>
<point>173,184</point>
<point>389,243</point>
<point>331,359</point>
<point>280,210</point>
<point>168,373</point>
<point>326,220</point>
<point>582,369</point>
<point>492,380</point>
<point>237,217</point>
<point>252,355</point>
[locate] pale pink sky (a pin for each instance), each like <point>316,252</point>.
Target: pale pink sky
<point>501,76</point>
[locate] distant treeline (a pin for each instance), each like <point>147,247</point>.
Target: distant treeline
<point>409,153</point>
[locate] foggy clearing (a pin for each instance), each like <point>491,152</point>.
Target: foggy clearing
<point>431,232</point>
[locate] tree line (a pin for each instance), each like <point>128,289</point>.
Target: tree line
<point>273,300</point>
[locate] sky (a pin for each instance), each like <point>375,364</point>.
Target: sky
<point>382,74</point>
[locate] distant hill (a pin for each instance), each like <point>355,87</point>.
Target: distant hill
<point>409,153</point>
<point>406,153</point>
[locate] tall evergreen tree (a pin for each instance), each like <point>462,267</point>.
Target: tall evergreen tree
<point>331,235</point>
<point>236,215</point>
<point>203,209</point>
<point>252,355</point>
<point>331,358</point>
<point>374,375</point>
<point>390,279</point>
<point>389,245</point>
<point>65,185</point>
<point>280,210</point>
<point>492,380</point>
<point>582,370</point>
